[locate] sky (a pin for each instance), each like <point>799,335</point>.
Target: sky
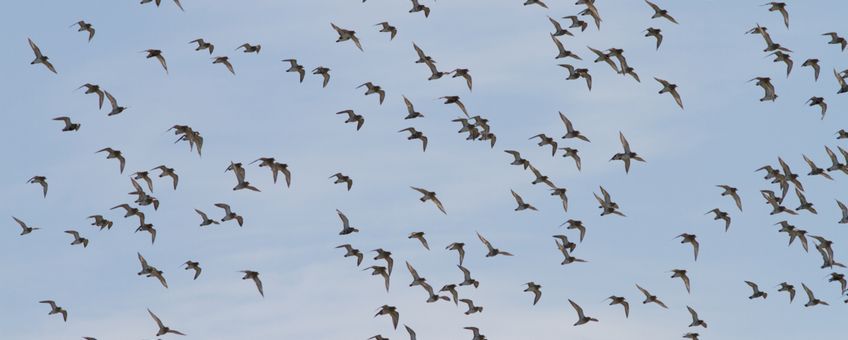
<point>289,235</point>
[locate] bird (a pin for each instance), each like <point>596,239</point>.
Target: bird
<point>541,178</point>
<point>545,140</point>
<point>380,270</point>
<point>40,180</point>
<point>780,7</point>
<point>25,229</point>
<point>492,251</point>
<point>419,235</point>
<point>372,89</point>
<point>812,300</point>
<point>605,57</point>
<point>558,30</point>
<point>659,12</point>
<point>476,333</point>
<point>412,335</point>
<point>162,328</point>
<point>459,247</point>
<point>649,298</point>
<point>324,72</point>
<point>695,320</point>
<point>253,275</point>
<point>780,56</point>
<point>464,73</point>
<point>627,155</point>
<point>691,336</point>
<point>813,101</point>
<point>415,134</point>
<point>570,132</point>
<point>203,45</point>
<point>471,307</point>
<point>451,288</point>
<point>295,67</point>
<point>276,167</point>
<point>619,300</point>
<point>418,7</point>
<point>836,39</point>
<point>757,293</point>
<point>518,160</point>
<point>345,35</point>
<point>536,289</point>
<point>606,204</point>
<point>225,61</point>
<point>844,211</point>
<point>248,48</point>
<point>570,152</point>
<point>352,117</point>
<point>386,256</point>
<point>670,88</point>
<point>815,170</point>
<point>350,251</point>
<point>455,100</point>
<point>116,109</point>
<point>721,215</point>
<point>84,26</point>
<point>768,88</point>
<point>577,23</point>
<point>40,58</point>
<point>561,193</point>
<point>229,215</point>
<point>581,318</point>
<point>520,202</point>
<point>341,178</point>
<point>430,196</point>
<point>151,271</point>
<point>346,228</point>
<point>93,88</point>
<point>385,27</point>
<point>411,113</point>
<point>814,63</point>
<point>732,192</point>
<point>391,311</point>
<point>77,238</point>
<point>837,277</point>
<point>193,266</point>
<point>786,287</point>
<point>101,222</point>
<point>656,33</point>
<point>69,126</point>
<point>116,154</point>
<point>681,273</point>
<point>692,239</point>
<point>577,73</point>
<point>803,203</point>
<point>166,171</point>
<point>467,279</point>
<point>561,51</point>
<point>153,53</point>
<point>576,224</point>
<point>239,171</point>
<point>535,2</point>
<point>55,309</point>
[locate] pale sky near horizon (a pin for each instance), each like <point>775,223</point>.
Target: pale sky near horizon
<point>311,291</point>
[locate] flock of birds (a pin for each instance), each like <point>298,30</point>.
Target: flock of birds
<point>783,183</point>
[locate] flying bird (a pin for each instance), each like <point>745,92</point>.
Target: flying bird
<point>581,318</point>
<point>84,26</point>
<point>40,58</point>
<point>55,309</point>
<point>345,35</point>
<point>152,53</point>
<point>295,67</point>
<point>253,275</point>
<point>162,328</point>
<point>671,89</point>
<point>430,196</point>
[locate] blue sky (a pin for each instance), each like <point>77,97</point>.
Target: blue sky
<point>724,134</point>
